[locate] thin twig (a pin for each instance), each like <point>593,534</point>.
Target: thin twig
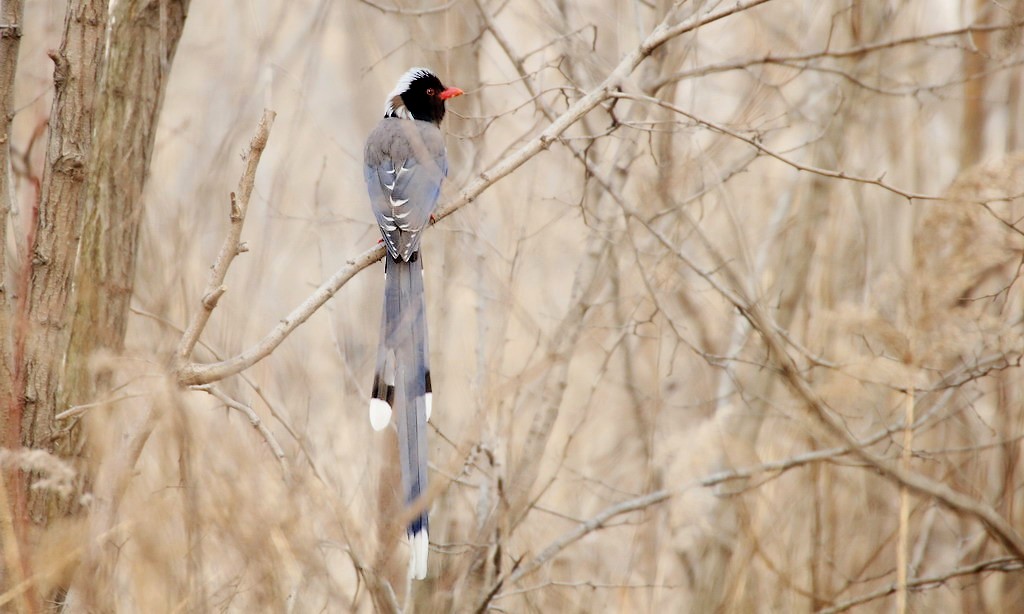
<point>1004,564</point>
<point>824,172</point>
<point>591,525</point>
<point>77,410</point>
<point>903,531</point>
<point>232,245</point>
<point>859,50</point>
<point>410,12</point>
<point>254,420</point>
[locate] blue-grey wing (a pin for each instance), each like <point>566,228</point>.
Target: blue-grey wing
<point>403,194</point>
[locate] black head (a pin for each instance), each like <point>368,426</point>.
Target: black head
<point>419,94</point>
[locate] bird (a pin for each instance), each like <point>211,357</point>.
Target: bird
<point>405,163</point>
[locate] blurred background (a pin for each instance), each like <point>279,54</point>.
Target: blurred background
<point>610,433</point>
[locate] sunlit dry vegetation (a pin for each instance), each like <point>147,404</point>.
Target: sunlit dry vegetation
<point>724,303</point>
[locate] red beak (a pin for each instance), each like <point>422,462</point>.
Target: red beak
<point>451,92</point>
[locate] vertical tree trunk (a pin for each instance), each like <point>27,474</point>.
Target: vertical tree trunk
<point>10,437</point>
<point>10,42</point>
<point>42,331</point>
<point>107,99</point>
<point>143,40</point>
<point>975,60</point>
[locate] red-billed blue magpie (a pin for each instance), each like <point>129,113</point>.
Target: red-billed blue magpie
<point>405,163</point>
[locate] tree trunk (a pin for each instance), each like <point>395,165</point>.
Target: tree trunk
<point>75,301</point>
<point>41,337</point>
<point>10,42</point>
<point>143,40</point>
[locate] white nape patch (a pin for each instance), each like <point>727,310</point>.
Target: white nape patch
<point>400,88</point>
<point>419,547</point>
<point>380,414</point>
<point>400,111</point>
<point>428,401</point>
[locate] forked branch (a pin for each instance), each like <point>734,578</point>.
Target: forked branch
<point>232,245</point>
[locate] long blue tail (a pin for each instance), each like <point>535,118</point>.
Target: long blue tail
<point>401,385</point>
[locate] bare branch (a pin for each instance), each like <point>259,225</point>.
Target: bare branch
<point>593,524</point>
<point>78,410</point>
<point>824,172</point>
<point>192,374</point>
<point>254,420</point>
<point>232,242</point>
<point>800,59</point>
<point>410,12</point>
<point>1005,564</point>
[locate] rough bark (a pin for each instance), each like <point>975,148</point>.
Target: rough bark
<point>43,327</point>
<point>10,43</point>
<point>144,37</point>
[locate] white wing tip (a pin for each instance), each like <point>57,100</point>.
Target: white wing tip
<point>380,414</point>
<point>419,548</point>
<point>428,402</point>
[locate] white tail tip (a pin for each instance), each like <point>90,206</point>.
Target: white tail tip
<point>419,547</point>
<point>380,414</point>
<point>428,401</point>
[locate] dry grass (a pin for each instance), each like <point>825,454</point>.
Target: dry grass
<point>575,296</point>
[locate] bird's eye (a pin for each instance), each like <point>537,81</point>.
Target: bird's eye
<point>431,91</point>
